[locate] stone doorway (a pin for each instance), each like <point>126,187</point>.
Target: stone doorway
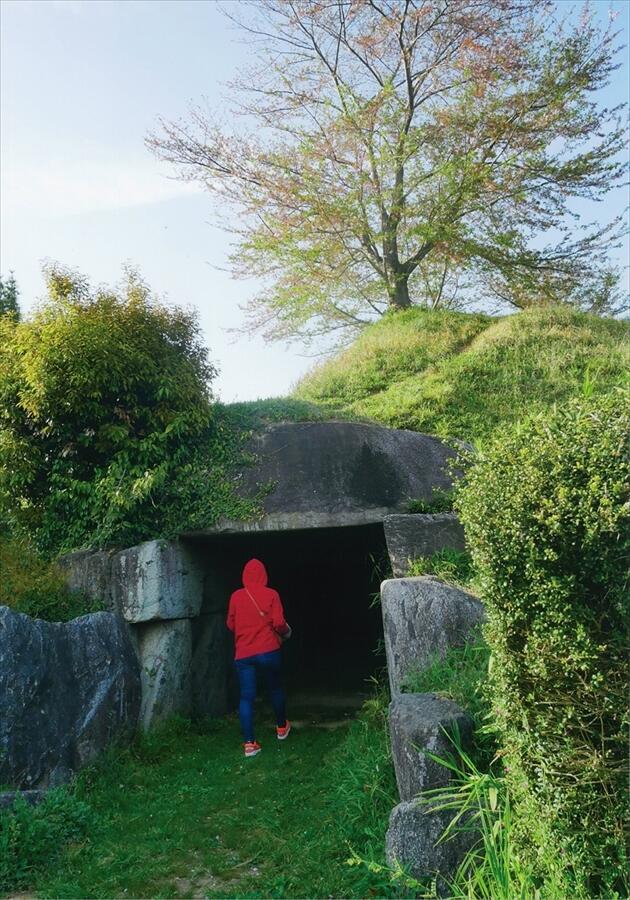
<point>328,579</point>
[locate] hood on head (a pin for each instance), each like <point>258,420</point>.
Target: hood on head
<point>254,574</point>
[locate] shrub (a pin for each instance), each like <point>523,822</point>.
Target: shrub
<point>31,838</point>
<point>546,517</point>
<point>107,430</point>
<point>33,585</point>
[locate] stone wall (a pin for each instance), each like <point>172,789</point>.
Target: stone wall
<point>176,623</point>
<point>422,619</point>
<point>410,536</point>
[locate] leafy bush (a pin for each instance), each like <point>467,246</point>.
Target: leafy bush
<point>33,837</point>
<point>546,511</point>
<point>107,431</point>
<point>31,584</point>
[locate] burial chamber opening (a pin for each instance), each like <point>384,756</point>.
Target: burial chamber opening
<point>328,580</point>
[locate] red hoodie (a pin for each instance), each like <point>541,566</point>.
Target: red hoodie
<point>255,633</point>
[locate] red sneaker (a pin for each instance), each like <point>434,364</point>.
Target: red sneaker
<point>252,748</point>
<point>283,733</point>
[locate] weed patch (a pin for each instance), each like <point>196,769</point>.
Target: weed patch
<point>32,837</point>
<point>452,566</point>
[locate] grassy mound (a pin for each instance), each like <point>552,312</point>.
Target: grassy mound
<point>466,375</point>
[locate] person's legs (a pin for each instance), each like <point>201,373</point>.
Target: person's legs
<point>246,669</point>
<point>271,663</point>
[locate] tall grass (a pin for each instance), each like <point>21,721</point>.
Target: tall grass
<point>479,803</point>
<point>32,838</point>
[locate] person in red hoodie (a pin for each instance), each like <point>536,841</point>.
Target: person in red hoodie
<point>256,617</point>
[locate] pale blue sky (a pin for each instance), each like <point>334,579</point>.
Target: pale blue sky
<point>82,82</point>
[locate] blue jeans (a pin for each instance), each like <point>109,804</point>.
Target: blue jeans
<point>271,665</point>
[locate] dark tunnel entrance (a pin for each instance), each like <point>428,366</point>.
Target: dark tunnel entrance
<point>328,580</point>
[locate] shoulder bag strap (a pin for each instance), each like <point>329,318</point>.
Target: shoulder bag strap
<point>260,612</point>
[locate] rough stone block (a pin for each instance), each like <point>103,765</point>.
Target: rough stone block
<point>422,619</point>
<point>413,841</point>
<point>339,473</point>
<point>210,666</point>
<point>165,651</point>
<point>409,536</point>
<point>417,723</point>
<point>88,572</point>
<point>66,691</point>
<point>156,580</point>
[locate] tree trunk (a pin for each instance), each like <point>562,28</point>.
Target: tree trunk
<point>399,293</point>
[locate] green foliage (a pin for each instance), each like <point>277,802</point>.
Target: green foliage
<point>506,370</point>
<point>9,297</point>
<point>33,837</point>
<point>546,511</point>
<point>280,825</point>
<point>255,414</point>
<point>461,675</point>
<point>479,801</point>
<point>441,501</point>
<point>451,566</point>
<point>33,585</point>
<point>362,775</point>
<point>107,432</point>
<point>398,188</point>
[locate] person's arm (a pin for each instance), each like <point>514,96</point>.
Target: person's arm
<point>230,622</point>
<point>277,616</point>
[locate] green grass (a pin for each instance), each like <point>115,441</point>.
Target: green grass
<point>183,813</point>
<point>461,676</point>
<point>32,838</point>
<point>452,566</point>
<point>441,501</point>
<point>252,415</point>
<point>467,376</point>
<point>34,585</point>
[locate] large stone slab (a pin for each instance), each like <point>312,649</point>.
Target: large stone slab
<point>212,652</point>
<point>66,691</point>
<point>413,841</point>
<point>156,580</point>
<point>410,536</point>
<point>422,619</point>
<point>420,723</point>
<point>165,651</point>
<point>89,572</point>
<point>339,473</point>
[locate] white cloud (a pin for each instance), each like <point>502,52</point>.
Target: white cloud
<point>84,186</point>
